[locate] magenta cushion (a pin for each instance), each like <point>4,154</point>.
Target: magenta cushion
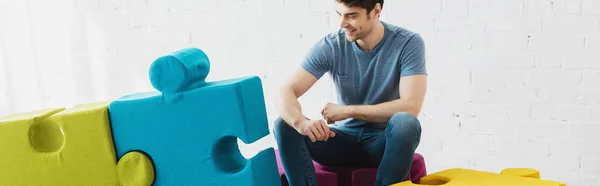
<point>333,176</point>
<point>323,177</point>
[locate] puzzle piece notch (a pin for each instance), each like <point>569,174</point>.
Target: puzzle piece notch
<point>46,136</point>
<point>43,135</point>
<point>180,71</point>
<point>193,139</point>
<point>468,177</point>
<point>34,145</point>
<point>228,157</point>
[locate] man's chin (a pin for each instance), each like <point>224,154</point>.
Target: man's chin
<point>351,39</point>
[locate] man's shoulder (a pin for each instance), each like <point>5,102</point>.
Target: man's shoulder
<point>335,37</point>
<point>400,34</point>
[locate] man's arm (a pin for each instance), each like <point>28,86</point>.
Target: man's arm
<point>412,95</point>
<point>291,112</point>
<point>313,66</point>
<point>287,105</point>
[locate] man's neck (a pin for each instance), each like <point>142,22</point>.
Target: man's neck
<point>371,41</point>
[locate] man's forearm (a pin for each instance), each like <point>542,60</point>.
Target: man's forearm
<point>289,108</point>
<point>381,113</point>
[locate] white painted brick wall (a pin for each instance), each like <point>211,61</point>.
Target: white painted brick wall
<point>4,97</point>
<point>512,83</point>
<point>591,7</point>
<point>592,43</point>
<point>567,7</point>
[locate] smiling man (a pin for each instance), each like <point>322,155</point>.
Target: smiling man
<point>379,72</point>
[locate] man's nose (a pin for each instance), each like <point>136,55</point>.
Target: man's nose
<point>343,23</point>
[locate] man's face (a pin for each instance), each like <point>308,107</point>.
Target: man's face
<point>355,21</point>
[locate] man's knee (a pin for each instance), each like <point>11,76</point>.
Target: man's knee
<point>405,125</point>
<point>282,128</point>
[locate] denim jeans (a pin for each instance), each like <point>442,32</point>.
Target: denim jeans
<point>390,148</point>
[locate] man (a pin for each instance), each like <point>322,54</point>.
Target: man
<point>379,72</point>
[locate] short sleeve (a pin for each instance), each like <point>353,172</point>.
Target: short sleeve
<point>318,59</point>
<point>412,59</point>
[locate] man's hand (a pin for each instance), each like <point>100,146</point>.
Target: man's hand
<point>334,112</point>
<point>314,129</point>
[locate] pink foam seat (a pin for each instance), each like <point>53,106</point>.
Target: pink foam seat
<point>355,176</point>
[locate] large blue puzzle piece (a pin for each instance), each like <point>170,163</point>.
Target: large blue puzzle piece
<point>190,127</point>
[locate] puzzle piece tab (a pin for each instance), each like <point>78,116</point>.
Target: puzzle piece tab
<point>65,147</point>
<point>190,127</point>
<point>467,177</point>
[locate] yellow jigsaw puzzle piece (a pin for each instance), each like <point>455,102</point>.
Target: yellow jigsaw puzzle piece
<point>467,177</point>
<point>66,147</point>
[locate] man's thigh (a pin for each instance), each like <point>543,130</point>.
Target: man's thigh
<point>341,150</point>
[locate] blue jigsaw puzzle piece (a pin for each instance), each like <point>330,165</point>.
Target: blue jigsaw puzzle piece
<point>190,127</point>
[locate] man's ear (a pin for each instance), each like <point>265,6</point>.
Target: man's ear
<point>377,10</point>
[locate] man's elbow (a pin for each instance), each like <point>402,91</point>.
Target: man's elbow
<point>415,113</point>
<point>414,109</point>
<point>286,89</point>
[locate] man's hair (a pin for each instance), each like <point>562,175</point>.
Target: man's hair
<point>366,4</point>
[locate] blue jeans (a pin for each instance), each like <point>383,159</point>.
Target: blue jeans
<point>391,148</point>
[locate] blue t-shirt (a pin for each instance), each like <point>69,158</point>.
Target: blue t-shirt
<point>367,77</point>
